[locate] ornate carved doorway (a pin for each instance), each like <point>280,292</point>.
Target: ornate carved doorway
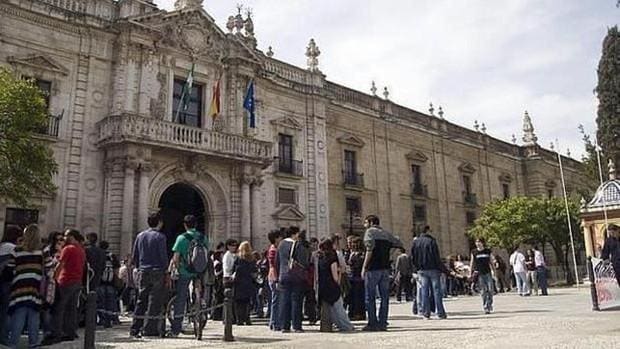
<point>178,200</point>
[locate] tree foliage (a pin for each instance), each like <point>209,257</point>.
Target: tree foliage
<point>26,163</point>
<point>608,92</point>
<point>589,162</point>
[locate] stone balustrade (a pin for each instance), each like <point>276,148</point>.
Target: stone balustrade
<point>141,130</point>
<point>286,71</point>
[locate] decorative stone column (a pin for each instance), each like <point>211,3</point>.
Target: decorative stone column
<point>255,230</point>
<point>128,209</point>
<point>143,196</point>
<point>245,207</point>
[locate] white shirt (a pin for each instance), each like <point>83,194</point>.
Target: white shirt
<point>228,263</point>
<point>517,260</point>
<point>539,259</point>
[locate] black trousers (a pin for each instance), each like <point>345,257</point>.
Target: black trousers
<point>404,285</point>
<point>310,305</point>
<point>151,297</point>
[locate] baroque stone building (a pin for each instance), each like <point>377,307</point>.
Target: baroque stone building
<point>322,155</point>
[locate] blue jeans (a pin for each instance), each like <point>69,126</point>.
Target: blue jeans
<point>182,293</point>
<point>20,317</point>
<point>428,279</point>
<point>377,279</point>
<point>5,292</point>
<point>485,283</point>
<point>275,319</point>
<point>542,279</point>
<point>339,316</point>
<point>106,304</point>
<point>291,307</point>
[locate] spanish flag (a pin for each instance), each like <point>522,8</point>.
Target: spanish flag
<point>214,109</point>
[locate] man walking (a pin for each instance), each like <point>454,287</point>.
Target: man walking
<point>482,267</point>
<point>611,249</point>
<point>376,271</point>
<point>517,261</point>
<point>187,268</point>
<point>150,258</point>
<point>541,270</point>
<point>403,268</point>
<point>428,266</point>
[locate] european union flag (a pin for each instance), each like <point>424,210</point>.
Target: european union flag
<point>249,105</point>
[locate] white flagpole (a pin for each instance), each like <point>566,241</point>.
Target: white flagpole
<point>568,216</point>
<point>600,174</point>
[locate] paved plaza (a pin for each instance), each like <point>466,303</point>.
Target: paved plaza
<point>561,320</point>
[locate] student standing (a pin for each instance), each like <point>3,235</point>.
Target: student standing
<point>481,264</point>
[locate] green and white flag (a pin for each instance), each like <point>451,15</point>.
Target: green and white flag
<point>185,94</point>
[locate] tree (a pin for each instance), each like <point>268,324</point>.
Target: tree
<point>529,220</point>
<point>589,163</point>
<point>26,163</point>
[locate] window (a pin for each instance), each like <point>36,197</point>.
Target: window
<point>285,153</point>
<point>470,218</point>
<point>354,205</point>
<point>286,196</point>
<point>416,173</point>
<point>467,184</point>
<point>506,190</point>
<point>21,217</point>
<point>192,115</point>
<point>550,193</point>
<point>44,86</point>
<point>350,167</point>
<point>419,213</point>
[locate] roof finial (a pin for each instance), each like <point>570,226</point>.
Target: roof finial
<point>476,126</point>
<point>514,139</point>
<point>269,52</point>
<point>313,53</point>
<point>386,93</point>
<point>612,170</point>
<point>431,109</point>
<point>568,152</point>
<point>440,112</point>
<point>484,128</point>
<point>373,88</point>
<point>186,4</point>
<point>529,138</point>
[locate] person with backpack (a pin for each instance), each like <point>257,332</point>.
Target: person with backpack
<point>191,260</point>
<point>107,299</point>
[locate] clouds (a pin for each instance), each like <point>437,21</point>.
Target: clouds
<point>479,59</point>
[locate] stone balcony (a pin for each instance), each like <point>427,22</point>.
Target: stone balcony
<point>136,129</point>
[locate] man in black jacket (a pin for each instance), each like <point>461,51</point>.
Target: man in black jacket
<point>428,266</point>
<point>611,249</point>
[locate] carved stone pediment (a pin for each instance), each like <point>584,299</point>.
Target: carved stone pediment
<point>351,140</point>
<point>39,62</point>
<point>505,177</point>
<point>467,168</point>
<point>289,213</point>
<point>287,122</point>
<point>416,156</point>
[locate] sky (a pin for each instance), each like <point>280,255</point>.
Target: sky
<point>478,59</point>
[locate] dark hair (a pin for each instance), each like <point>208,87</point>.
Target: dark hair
<point>303,236</point>
<point>12,233</point>
<point>427,228</point>
<point>104,245</point>
<point>75,234</point>
<point>273,236</point>
<point>220,246</point>
<point>154,219</point>
<point>482,240</point>
<point>326,248</point>
<point>372,219</point>
<point>293,230</point>
<point>314,240</point>
<point>190,221</point>
<point>231,242</point>
<point>92,238</point>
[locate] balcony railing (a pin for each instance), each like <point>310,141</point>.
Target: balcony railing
<point>353,179</point>
<point>137,129</point>
<point>419,190</point>
<point>53,124</point>
<point>289,167</point>
<point>470,198</point>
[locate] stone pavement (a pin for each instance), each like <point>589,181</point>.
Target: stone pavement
<point>562,320</point>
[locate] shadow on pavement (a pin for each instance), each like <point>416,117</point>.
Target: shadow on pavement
<point>426,329</point>
<point>259,340</point>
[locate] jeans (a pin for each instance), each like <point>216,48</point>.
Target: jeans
<point>357,300</point>
<point>182,293</point>
<point>521,278</point>
<point>151,295</point>
<point>541,273</point>
<point>339,316</point>
<point>532,280</point>
<point>404,285</point>
<point>5,292</point>
<point>485,283</point>
<point>428,279</point>
<point>106,304</point>
<point>24,316</point>
<point>275,319</point>
<point>377,279</point>
<point>65,312</point>
<point>291,307</point>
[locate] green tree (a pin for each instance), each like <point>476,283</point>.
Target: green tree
<point>26,163</point>
<point>589,163</point>
<point>530,220</point>
<point>608,92</point>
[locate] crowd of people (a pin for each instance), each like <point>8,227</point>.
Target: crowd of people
<point>333,281</point>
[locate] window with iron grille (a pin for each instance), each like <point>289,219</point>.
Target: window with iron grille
<point>550,193</point>
<point>506,190</point>
<point>467,184</point>
<point>416,173</point>
<point>419,213</point>
<point>192,115</point>
<point>21,217</point>
<point>470,218</point>
<point>354,205</point>
<point>286,196</point>
<point>350,166</point>
<point>285,153</point>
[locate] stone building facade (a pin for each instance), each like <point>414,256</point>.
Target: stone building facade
<point>322,155</point>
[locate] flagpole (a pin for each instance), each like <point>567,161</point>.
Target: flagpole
<point>568,216</point>
<point>600,174</point>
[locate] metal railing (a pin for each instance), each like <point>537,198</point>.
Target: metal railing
<point>470,198</point>
<point>53,125</point>
<point>353,179</point>
<point>419,190</point>
<point>289,167</point>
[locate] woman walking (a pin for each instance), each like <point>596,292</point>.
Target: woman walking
<point>25,301</point>
<point>329,289</point>
<point>482,269</point>
<point>244,279</point>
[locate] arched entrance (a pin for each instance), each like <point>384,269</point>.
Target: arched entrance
<point>178,200</point>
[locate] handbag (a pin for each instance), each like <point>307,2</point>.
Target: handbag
<point>297,274</point>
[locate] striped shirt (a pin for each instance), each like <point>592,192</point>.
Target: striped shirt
<point>27,269</point>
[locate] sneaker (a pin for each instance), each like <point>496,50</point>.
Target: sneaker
<point>369,328</point>
<point>299,331</point>
<point>382,328</point>
<point>50,341</point>
<point>171,334</point>
<point>135,335</point>
<point>284,330</point>
<point>442,317</point>
<point>487,312</point>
